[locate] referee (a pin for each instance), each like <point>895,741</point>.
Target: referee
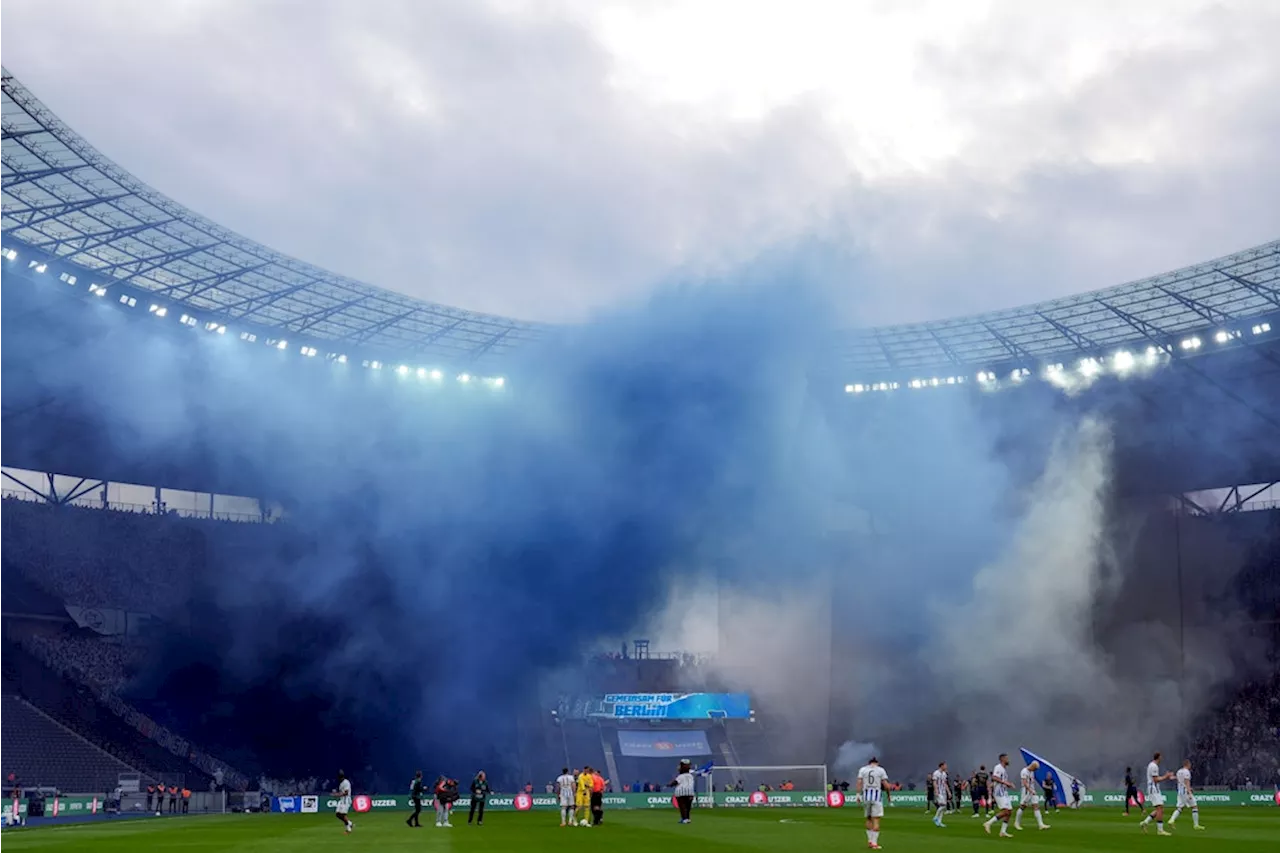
<point>683,783</point>
<point>415,796</point>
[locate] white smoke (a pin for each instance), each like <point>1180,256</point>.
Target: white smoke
<point>852,755</point>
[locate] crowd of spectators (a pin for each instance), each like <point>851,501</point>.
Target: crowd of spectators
<point>1238,745</point>
<point>93,660</point>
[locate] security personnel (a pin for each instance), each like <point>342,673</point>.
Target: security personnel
<point>415,796</point>
<point>173,799</point>
<point>186,800</point>
<point>479,793</point>
<point>151,796</point>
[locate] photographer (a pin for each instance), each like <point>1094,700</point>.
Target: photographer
<point>479,794</point>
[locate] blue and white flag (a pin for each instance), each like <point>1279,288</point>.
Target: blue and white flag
<point>1062,780</point>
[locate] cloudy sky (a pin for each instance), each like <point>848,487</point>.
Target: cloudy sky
<point>545,158</point>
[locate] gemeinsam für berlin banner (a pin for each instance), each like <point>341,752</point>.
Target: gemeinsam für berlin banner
<point>660,744</point>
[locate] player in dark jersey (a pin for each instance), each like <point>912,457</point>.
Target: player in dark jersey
<point>1131,791</point>
<point>979,784</point>
<point>928,795</point>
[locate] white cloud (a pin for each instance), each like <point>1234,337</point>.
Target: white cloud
<point>542,159</point>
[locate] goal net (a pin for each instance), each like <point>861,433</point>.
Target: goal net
<point>795,785</point>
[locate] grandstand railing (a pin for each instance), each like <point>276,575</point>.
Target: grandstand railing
<point>144,509</point>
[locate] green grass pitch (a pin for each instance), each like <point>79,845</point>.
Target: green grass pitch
<point>808,830</point>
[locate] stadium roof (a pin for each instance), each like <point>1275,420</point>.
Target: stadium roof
<point>64,198</point>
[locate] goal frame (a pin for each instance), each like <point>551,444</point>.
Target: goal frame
<point>758,768</point>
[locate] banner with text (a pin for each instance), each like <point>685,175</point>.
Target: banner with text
<point>663,744</point>
<point>746,799</point>
<point>673,706</point>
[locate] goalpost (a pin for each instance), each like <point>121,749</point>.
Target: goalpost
<point>777,783</point>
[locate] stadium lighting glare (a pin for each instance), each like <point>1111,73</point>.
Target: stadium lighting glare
<point>125,299</point>
<point>848,389</point>
<point>1262,328</point>
<point>183,319</point>
<point>211,326</point>
<point>68,278</point>
<point>248,337</point>
<point>10,255</point>
<point>499,381</point>
<point>437,375</point>
<point>158,310</point>
<point>282,345</point>
<point>984,376</point>
<point>188,321</point>
<point>859,388</point>
<point>1123,360</point>
<point>309,352</point>
<point>422,373</point>
<point>1224,337</point>
<point>342,359</point>
<point>402,370</point>
<point>222,330</point>
<point>376,365</point>
<point>1191,343</point>
<point>915,383</point>
<point>1019,374</point>
<point>37,266</point>
<point>1089,367</point>
<point>464,378</point>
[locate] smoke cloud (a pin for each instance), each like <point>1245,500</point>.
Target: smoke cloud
<point>935,573</point>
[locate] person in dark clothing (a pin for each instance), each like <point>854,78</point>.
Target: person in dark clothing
<point>1130,790</point>
<point>1050,793</point>
<point>978,789</point>
<point>151,796</point>
<point>479,794</point>
<point>416,791</point>
<point>173,799</point>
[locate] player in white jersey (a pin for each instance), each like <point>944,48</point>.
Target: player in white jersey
<point>1030,796</point>
<point>941,790</point>
<point>1186,797</point>
<point>1155,797</point>
<point>343,807</point>
<point>873,788</point>
<point>566,786</point>
<point>1001,790</point>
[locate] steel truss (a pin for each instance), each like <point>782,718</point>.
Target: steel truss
<point>64,198</point>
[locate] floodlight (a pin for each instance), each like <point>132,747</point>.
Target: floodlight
<point>858,389</point>
<point>222,330</point>
<point>916,383</point>
<point>934,382</point>
<point>437,375</point>
<point>848,389</point>
<point>1222,337</point>
<point>10,255</point>
<point>1262,328</point>
<point>499,381</point>
<point>422,373</point>
<point>248,337</point>
<point>1122,360</point>
<point>211,326</point>
<point>376,365</point>
<point>342,359</point>
<point>464,378</point>
<point>309,352</point>
<point>1190,343</point>
<point>282,345</point>
<point>68,278</point>
<point>1089,367</point>
<point>403,370</point>
<point>37,266</point>
<point>183,319</point>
